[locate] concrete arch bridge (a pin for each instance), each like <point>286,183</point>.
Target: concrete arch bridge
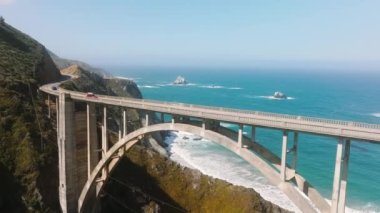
<point>82,172</point>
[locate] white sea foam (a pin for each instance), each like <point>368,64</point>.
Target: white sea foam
<point>173,85</point>
<point>212,86</point>
<point>368,208</point>
<point>274,98</point>
<point>377,114</point>
<point>234,88</point>
<point>148,86</point>
<point>209,158</point>
<point>219,87</point>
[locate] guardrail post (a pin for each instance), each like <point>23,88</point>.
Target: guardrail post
<point>240,136</point>
<point>283,155</point>
<point>295,150</point>
<point>125,123</point>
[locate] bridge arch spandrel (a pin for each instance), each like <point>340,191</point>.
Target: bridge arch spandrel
<point>129,140</point>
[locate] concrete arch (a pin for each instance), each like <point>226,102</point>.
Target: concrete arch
<point>129,140</point>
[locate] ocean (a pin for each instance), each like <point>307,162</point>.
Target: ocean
<point>341,95</point>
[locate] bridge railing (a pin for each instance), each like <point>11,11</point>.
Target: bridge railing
<point>192,108</point>
<point>273,115</point>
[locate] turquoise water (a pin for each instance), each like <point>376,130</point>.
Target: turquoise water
<point>346,96</point>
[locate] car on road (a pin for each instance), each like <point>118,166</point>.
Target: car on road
<point>91,95</point>
<point>54,88</point>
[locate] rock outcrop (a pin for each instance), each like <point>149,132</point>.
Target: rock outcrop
<point>279,95</point>
<point>180,81</point>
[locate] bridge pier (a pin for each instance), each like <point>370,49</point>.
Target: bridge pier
<point>295,150</point>
<point>92,138</point>
<point>146,119</point>
<point>124,123</point>
<point>49,110</point>
<point>68,193</point>
<point>338,200</point>
<point>203,127</point>
<point>104,142</point>
<point>240,136</point>
<point>57,114</point>
<point>284,155</point>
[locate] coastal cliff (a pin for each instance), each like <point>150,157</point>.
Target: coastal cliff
<point>28,155</point>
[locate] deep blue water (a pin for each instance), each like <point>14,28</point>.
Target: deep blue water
<point>337,95</point>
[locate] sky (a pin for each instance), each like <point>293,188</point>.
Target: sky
<point>205,33</point>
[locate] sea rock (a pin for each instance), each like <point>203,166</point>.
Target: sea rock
<point>279,95</point>
<point>180,80</point>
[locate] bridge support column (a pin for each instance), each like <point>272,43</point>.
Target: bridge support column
<point>146,119</point>
<point>295,151</point>
<point>57,114</point>
<point>240,136</point>
<point>92,138</point>
<point>283,155</point>
<point>253,134</point>
<point>49,110</point>
<point>203,127</point>
<point>68,194</point>
<point>104,141</point>
<point>338,201</point>
<point>125,123</point>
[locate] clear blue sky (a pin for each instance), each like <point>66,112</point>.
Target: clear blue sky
<point>220,33</point>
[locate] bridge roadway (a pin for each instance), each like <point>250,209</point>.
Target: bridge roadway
<point>344,131</point>
<point>319,126</point>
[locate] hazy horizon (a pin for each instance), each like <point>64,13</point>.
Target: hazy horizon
<point>339,35</point>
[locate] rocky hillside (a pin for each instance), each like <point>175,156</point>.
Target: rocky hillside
<point>28,177</point>
<point>63,63</point>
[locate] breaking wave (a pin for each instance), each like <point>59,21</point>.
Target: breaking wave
<point>198,153</point>
<point>148,86</point>
<point>274,98</point>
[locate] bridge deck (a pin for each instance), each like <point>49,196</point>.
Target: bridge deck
<point>319,126</point>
